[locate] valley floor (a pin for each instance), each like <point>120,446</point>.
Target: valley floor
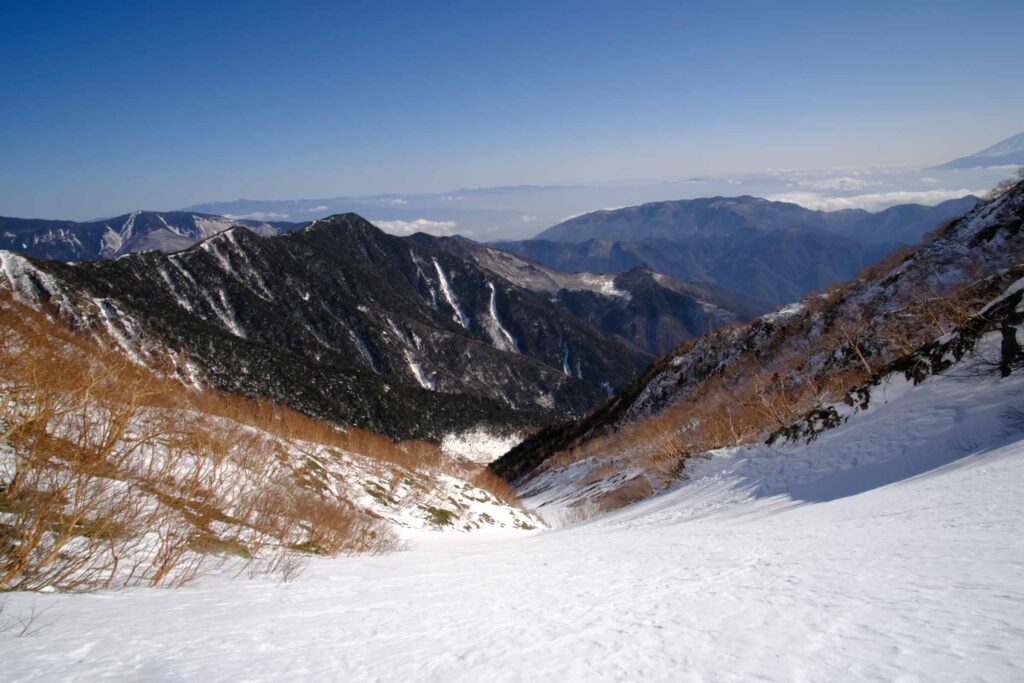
<point>919,578</point>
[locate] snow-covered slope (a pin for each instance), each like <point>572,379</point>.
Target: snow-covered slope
<point>785,363</point>
<point>908,420</point>
<point>893,549</point>
<point>1008,152</point>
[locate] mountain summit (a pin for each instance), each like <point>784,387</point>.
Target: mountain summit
<point>1008,152</point>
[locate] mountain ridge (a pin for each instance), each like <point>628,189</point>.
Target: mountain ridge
<point>111,237</point>
<point>346,323</point>
<point>772,252</point>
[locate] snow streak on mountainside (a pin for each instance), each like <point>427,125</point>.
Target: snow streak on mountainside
<point>345,323</point>
<point>652,311</point>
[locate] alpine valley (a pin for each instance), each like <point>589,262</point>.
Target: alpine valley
<point>504,342</point>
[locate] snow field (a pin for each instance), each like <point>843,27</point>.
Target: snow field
<point>915,573</point>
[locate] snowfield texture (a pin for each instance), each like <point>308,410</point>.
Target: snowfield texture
<point>479,445</point>
<point>890,548</point>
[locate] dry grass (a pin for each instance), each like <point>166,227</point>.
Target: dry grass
<point>814,359</point>
<point>111,475</point>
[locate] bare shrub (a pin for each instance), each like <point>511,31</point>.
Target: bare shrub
<point>23,625</point>
<point>112,476</point>
<point>1004,186</point>
<point>1013,420</point>
<point>743,385</point>
<point>576,514</point>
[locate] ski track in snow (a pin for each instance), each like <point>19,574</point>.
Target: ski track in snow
<point>786,576</point>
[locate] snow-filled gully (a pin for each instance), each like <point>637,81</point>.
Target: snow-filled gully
<point>914,571</point>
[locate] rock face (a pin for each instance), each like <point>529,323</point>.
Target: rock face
<point>343,322</point>
<point>770,252</point>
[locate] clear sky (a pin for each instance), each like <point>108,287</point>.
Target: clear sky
<point>108,107</point>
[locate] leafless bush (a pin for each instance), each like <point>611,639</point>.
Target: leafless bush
<point>575,514</point>
<point>1004,186</point>
<point>1013,420</point>
<point>23,625</point>
<point>111,476</point>
<point>814,358</point>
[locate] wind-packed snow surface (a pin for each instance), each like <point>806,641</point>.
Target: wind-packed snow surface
<point>891,548</point>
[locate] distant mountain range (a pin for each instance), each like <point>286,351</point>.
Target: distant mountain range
<point>137,231</point>
<point>746,254</point>
<point>425,336</point>
<point>769,252</point>
<point>1009,152</point>
<point>738,217</point>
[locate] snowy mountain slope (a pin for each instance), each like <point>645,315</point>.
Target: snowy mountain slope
<point>112,477</point>
<point>650,310</point>
<point>919,414</point>
<point>913,575</point>
<point>732,384</point>
<point>345,323</point>
<point>1008,152</point>
<point>166,231</point>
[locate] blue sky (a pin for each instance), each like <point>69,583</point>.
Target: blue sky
<point>113,106</point>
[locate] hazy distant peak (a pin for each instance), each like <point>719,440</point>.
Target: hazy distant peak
<point>1008,152</point>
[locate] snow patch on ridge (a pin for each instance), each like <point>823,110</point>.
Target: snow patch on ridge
<point>603,284</point>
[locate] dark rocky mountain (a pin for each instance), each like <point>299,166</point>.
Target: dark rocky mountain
<point>137,231</point>
<point>1008,152</point>
<point>769,268</point>
<point>771,252</point>
<point>343,322</point>
<point>647,309</point>
<point>904,224</point>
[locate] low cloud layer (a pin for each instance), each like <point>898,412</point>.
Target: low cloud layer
<point>875,201</point>
<point>260,216</point>
<point>841,184</point>
<point>442,228</point>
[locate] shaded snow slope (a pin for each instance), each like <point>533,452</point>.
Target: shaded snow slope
<point>912,573</point>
